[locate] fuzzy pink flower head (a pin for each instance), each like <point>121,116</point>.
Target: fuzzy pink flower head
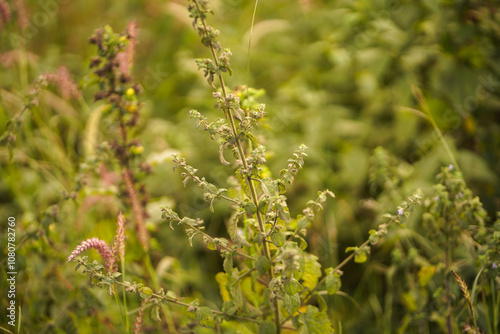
<point>22,14</point>
<point>62,79</point>
<point>98,245</point>
<point>118,247</point>
<point>132,30</point>
<point>4,13</point>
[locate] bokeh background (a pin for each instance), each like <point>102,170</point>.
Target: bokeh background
<point>337,77</point>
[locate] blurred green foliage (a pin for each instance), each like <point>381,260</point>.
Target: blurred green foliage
<point>337,75</point>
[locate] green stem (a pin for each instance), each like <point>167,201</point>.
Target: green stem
<point>221,246</point>
<point>338,267</point>
<point>156,284</point>
<point>449,322</point>
<point>495,301</point>
<point>125,306</point>
<point>487,312</point>
<point>178,302</point>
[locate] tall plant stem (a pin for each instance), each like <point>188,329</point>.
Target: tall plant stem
<point>449,323</point>
<point>137,209</point>
<point>251,185</point>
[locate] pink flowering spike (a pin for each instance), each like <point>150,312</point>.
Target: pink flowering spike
<point>66,85</point>
<point>120,236</point>
<point>139,318</point>
<point>23,17</point>
<point>118,248</point>
<point>4,13</point>
<point>98,245</point>
<point>132,37</point>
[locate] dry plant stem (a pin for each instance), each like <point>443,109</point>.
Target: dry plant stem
<point>136,208</point>
<point>123,131</point>
<point>249,181</point>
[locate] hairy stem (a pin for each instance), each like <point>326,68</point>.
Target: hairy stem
<point>178,302</point>
<point>229,249</point>
<point>251,185</point>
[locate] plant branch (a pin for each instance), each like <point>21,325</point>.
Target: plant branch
<point>177,302</point>
<point>220,245</point>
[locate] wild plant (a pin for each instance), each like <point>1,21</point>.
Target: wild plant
<point>270,281</point>
<point>112,73</point>
<point>455,241</point>
<point>456,222</point>
<point>467,296</point>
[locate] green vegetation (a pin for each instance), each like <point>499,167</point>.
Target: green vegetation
<point>198,172</point>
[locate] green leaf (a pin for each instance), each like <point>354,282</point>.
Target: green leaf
<point>145,292</point>
<point>314,322</point>
<point>263,206</point>
<point>351,249</point>
<point>253,139</point>
<point>321,302</point>
<point>292,303</point>
<point>267,327</point>
<point>292,286</point>
<point>302,223</point>
<point>205,317</point>
<point>333,282</point>
<point>360,254</point>
<point>262,264</point>
<point>229,307</point>
<point>302,243</point>
<point>374,236</point>
<point>278,238</point>
<point>155,313</point>
<point>170,294</point>
<point>312,271</point>
<point>232,228</point>
<point>360,257</point>
<point>211,245</point>
<point>284,213</point>
<point>228,264</point>
<point>250,208</point>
